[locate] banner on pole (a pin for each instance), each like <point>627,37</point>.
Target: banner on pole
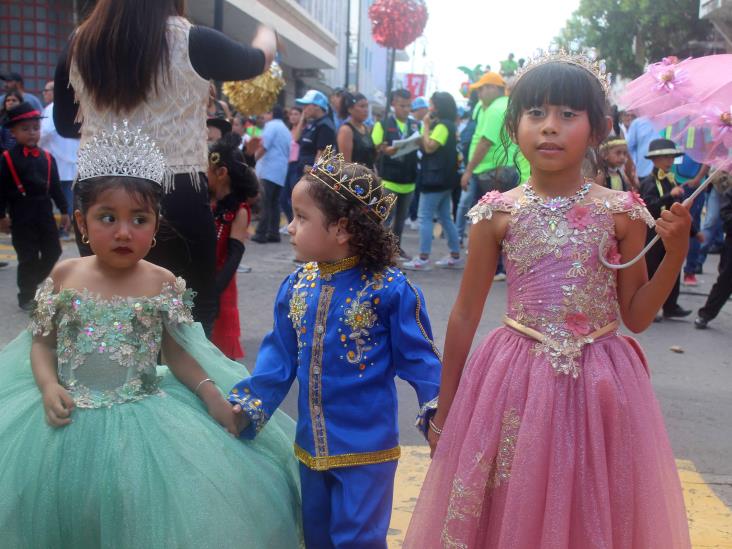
<point>416,84</point>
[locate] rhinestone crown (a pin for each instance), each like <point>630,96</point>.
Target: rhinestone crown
<point>123,152</point>
<point>596,68</point>
<point>340,176</point>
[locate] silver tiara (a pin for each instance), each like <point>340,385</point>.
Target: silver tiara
<point>595,67</point>
<point>123,152</point>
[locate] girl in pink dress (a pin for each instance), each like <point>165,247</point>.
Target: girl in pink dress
<point>549,435</point>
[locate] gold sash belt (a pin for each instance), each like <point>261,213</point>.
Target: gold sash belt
<point>541,338</point>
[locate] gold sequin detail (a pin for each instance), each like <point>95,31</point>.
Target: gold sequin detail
<point>323,463</point>
<point>315,385</point>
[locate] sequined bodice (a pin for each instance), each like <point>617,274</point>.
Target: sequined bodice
<point>556,282</point>
<point>107,349</point>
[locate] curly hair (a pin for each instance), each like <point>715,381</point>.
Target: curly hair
<point>371,241</point>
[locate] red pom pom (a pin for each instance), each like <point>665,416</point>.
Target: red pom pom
<point>397,23</point>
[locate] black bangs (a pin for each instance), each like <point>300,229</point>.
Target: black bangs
<point>147,193</point>
<point>558,83</point>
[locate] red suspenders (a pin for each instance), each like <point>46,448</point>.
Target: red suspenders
<point>14,174</point>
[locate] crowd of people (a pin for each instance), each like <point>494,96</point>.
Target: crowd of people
<point>161,182</point>
<point>462,153</point>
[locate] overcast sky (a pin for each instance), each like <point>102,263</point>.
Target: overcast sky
<point>469,32</point>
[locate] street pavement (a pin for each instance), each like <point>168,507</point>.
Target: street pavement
<point>694,386</point>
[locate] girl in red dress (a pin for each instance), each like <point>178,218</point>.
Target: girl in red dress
<point>233,186</point>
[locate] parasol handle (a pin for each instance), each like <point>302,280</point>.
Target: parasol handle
<point>687,203</point>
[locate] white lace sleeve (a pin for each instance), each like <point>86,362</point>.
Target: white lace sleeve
<point>490,202</point>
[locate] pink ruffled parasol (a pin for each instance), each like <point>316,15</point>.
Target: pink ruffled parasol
<point>694,98</point>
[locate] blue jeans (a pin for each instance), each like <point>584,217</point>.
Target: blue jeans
<point>286,196</point>
<point>468,198</point>
<point>693,258</point>
<point>439,203</point>
<point>712,226</point>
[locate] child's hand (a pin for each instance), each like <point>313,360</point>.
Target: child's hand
<point>240,226</point>
<point>242,419</point>
<point>674,227</point>
<point>432,438</point>
<point>5,225</point>
<point>223,413</point>
<point>58,405</point>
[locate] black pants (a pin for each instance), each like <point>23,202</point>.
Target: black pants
<point>186,244</point>
<point>269,223</point>
<point>36,241</point>
<point>653,260</point>
<point>722,289</point>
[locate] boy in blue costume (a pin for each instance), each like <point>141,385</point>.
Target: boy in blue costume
<point>345,325</point>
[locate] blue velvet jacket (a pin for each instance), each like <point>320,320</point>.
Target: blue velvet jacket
<point>345,333</point>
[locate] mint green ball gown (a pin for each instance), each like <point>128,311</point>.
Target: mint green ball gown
<point>142,465</point>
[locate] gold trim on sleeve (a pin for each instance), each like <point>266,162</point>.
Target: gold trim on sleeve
<point>418,309</point>
<point>323,463</point>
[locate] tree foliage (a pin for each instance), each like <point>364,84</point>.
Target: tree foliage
<point>630,33</point>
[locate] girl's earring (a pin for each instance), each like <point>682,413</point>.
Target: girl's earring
<point>154,243</point>
<point>84,239</point>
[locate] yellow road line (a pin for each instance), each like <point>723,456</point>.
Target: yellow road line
<point>710,520</point>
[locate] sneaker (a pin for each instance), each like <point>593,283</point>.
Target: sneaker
<point>451,262</point>
<point>243,269</point>
<point>417,264</point>
<point>499,277</point>
<point>283,230</point>
<point>413,224</point>
<point>690,280</point>
<point>701,323</point>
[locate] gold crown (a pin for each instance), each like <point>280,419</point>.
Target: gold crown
<point>596,68</point>
<point>340,176</point>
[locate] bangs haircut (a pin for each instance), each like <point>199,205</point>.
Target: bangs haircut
<point>147,193</point>
<point>559,83</point>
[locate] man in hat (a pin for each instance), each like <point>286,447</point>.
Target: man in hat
<point>420,106</point>
<point>659,190</point>
<point>28,181</point>
<point>490,165</point>
<point>318,132</point>
<point>14,82</point>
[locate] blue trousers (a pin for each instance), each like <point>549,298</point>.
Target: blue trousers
<point>712,225</point>
<point>693,257</point>
<point>347,508</point>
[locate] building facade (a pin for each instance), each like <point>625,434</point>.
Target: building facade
<point>34,32</point>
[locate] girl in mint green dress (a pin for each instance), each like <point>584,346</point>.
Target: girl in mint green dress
<point>103,447</point>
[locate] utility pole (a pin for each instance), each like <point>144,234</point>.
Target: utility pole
<point>348,45</point>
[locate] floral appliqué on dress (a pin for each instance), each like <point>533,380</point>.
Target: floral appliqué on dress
<point>123,331</point>
<point>556,242</point>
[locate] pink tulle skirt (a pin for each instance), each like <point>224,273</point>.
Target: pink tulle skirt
<point>530,459</point>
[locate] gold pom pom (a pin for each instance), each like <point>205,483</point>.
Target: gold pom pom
<point>257,95</point>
